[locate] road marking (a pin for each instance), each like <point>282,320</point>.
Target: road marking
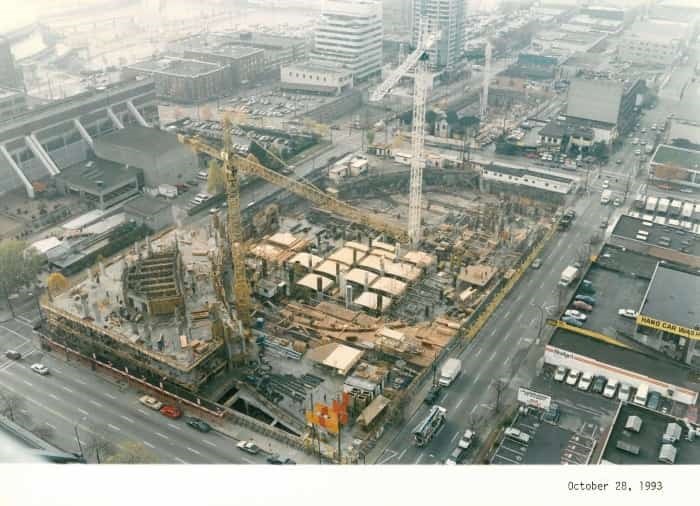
<point>180,460</point>
<point>478,376</point>
<point>126,418</point>
<point>445,398</point>
<point>50,425</point>
<point>27,383</point>
<point>23,411</point>
<point>493,355</point>
<point>113,427</point>
<point>15,333</point>
<point>474,409</point>
<point>478,352</point>
<point>141,411</point>
<point>173,426</point>
<point>420,457</point>
<point>162,435</point>
<point>83,411</point>
<point>67,389</point>
<point>454,437</point>
<point>193,451</point>
<point>95,403</point>
<point>54,397</point>
<point>80,381</point>
<point>110,396</point>
<point>246,460</point>
<point>507,313</point>
<point>208,443</point>
<point>402,453</point>
<point>459,403</point>
<point>148,444</point>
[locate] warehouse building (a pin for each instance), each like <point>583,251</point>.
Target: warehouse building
<point>322,79</point>
<point>183,80</point>
<point>244,63</point>
<point>100,182</point>
<point>653,42</point>
<point>155,213</point>
<point>158,154</point>
<point>47,139</point>
<point>675,165</point>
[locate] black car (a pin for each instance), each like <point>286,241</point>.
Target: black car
<point>14,355</point>
<point>275,460</point>
<point>598,385</point>
<point>289,462</point>
<point>432,396</point>
<point>198,424</point>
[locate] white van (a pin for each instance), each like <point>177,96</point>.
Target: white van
<point>640,398</point>
<point>517,434</point>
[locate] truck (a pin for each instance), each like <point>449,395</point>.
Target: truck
<point>568,275</point>
<point>167,191</point>
<point>605,196</point>
<point>429,426</point>
<point>449,371</point>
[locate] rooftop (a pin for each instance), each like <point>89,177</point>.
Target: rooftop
<point>176,66</point>
<point>313,66</point>
<point>673,297</point>
<point>140,138</point>
<point>97,175</point>
<point>656,30</point>
<point>559,128</point>
<point>146,206</point>
<point>680,129</point>
<point>676,157</point>
<point>597,100</point>
<point>648,440</point>
<point>234,51</point>
<point>663,236</point>
<point>653,366</point>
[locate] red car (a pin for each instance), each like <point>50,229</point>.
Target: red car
<point>171,411</point>
<point>579,304</point>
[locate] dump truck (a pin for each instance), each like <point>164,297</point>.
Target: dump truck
<point>429,426</point>
<point>568,275</point>
<point>449,371</point>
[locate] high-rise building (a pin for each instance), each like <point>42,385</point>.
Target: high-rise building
<point>349,33</point>
<point>10,75</point>
<point>447,17</point>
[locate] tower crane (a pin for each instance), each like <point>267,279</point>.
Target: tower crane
<point>234,164</point>
<point>417,60</point>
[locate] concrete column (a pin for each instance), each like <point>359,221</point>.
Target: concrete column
<point>84,133</point>
<point>27,185</point>
<point>136,114</point>
<point>117,122</point>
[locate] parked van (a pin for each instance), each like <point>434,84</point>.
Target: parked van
<point>517,434</point>
<point>640,398</point>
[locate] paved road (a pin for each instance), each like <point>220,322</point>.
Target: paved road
<point>74,394</point>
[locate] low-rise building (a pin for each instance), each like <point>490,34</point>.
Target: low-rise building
<point>12,103</point>
<point>324,79</point>
<point>652,42</point>
<point>100,182</point>
<point>535,182</point>
<point>675,165</point>
<point>562,134</point>
<point>244,63</point>
<point>155,213</point>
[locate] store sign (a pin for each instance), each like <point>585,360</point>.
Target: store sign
<point>535,399</point>
<point>668,327</point>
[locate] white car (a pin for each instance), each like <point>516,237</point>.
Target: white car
<point>572,378</point>
<point>151,402</point>
<point>627,313</point>
<point>40,369</point>
<point>248,447</point>
<point>610,389</point>
<point>624,393</point>
<point>635,141</point>
<point>573,313</point>
<point>606,184</point>
<point>585,382</point>
<point>560,374</point>
<point>467,440</point>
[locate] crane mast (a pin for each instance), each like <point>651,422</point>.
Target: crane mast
<point>420,92</point>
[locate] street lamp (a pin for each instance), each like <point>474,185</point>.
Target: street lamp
<point>541,322</point>
<point>77,435</point>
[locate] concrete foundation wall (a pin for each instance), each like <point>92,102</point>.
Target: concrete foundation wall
<point>340,107</point>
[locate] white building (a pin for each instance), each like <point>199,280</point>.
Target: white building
<point>652,42</point>
<point>315,78</point>
<point>349,33</point>
<point>447,17</point>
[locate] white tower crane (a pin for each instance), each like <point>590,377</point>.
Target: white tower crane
<point>421,82</point>
<point>483,110</point>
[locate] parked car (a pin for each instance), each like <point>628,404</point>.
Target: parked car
<point>585,382</point>
<point>606,184</point>
<point>553,414</point>
<point>617,202</point>
<point>467,439</point>
<point>198,424</point>
<point>581,306</point>
<point>654,400</point>
<point>537,263</point>
<point>587,287</point>
<point>517,434</point>
<point>572,321</point>
<point>624,393</point>
<point>585,298</point>
<point>248,447</point>
<point>455,457</point>
<point>151,402</point>
<point>275,460</point>
<point>627,313</point>
<point>598,384</point>
<point>604,223</point>
<point>560,374</point>
<point>40,369</point>
<point>171,411</point>
<point>572,378</point>
<point>13,355</point>
<point>575,314</point>
<point>610,389</point>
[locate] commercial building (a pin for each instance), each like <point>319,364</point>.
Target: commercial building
<point>526,181</point>
<point>12,103</point>
<point>675,165</point>
<point>47,139</point>
<point>10,74</point>
<point>684,133</point>
<point>446,17</point>
<point>561,135</point>
<point>652,42</point>
<point>183,80</point>
<point>278,49</point>
<point>158,153</point>
<point>244,63</point>
<point>314,77</point>
<point>100,182</point>
<point>349,33</point>
<point>155,213</point>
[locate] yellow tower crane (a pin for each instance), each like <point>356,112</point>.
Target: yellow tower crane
<point>234,164</point>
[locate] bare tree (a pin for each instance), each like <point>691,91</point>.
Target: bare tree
<point>42,431</point>
<point>499,386</point>
<point>474,421</point>
<point>11,405</point>
<point>95,443</point>
<point>132,452</point>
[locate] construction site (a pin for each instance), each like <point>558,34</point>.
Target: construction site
<point>322,318</point>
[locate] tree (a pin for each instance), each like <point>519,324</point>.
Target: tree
<point>216,178</point>
<point>132,452</point>
<point>499,387</point>
<point>96,443</point>
<point>370,137</point>
<point>10,405</point>
<point>56,283</point>
<point>599,150</point>
<point>18,265</point>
